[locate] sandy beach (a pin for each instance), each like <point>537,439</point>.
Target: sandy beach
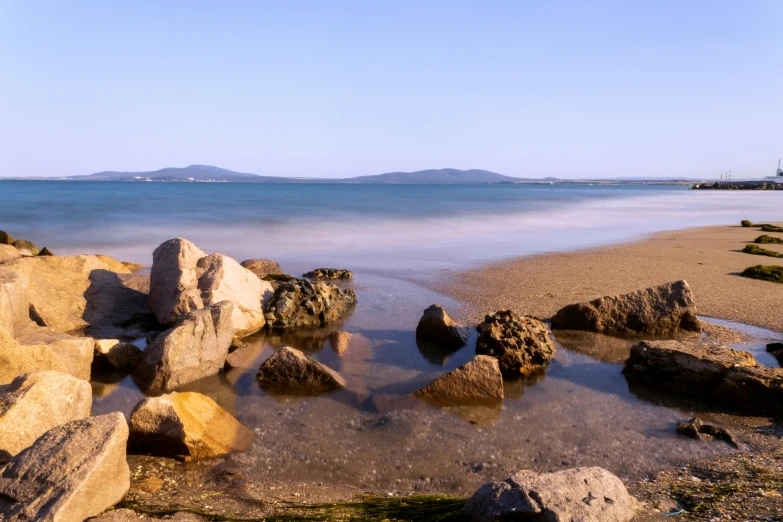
<point>710,259</point>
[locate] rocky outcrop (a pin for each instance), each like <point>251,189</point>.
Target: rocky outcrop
<point>16,360</point>
<point>326,274</point>
<point>220,278</point>
<point>184,279</point>
<point>684,367</point>
<point>477,380</point>
<point>262,267</point>
<point>521,344</point>
<point>72,472</point>
<point>76,353</point>
<point>436,326</point>
<point>194,349</point>
<point>188,426</point>
<point>8,253</point>
<point>290,371</point>
<point>304,304</point>
<point>657,310</point>
<point>36,402</point>
<point>578,494</point>
<point>113,354</point>
<point>696,429</point>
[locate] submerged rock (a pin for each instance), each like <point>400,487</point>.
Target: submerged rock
<point>72,472</point>
<point>16,360</point>
<point>578,494</point>
<point>290,371</point>
<point>521,344</point>
<point>194,348</point>
<point>340,341</point>
<point>115,354</point>
<point>36,402</point>
<point>325,274</point>
<point>304,304</point>
<point>262,267</point>
<point>696,429</point>
<point>437,326</point>
<point>189,426</point>
<point>660,309</point>
<point>477,380</point>
<point>684,367</point>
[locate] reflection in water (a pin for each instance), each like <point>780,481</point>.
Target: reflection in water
<point>435,353</point>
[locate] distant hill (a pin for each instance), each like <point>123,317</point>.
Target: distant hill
<point>207,173</point>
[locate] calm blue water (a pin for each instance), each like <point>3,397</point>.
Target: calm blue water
<point>359,226</point>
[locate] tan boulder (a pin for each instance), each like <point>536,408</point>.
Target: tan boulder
<point>521,344</point>
<point>188,426</point>
<point>8,253</point>
<point>477,380</point>
<point>115,354</point>
<point>657,310</point>
<point>72,472</point>
<point>16,360</point>
<point>113,264</point>
<point>36,402</point>
<point>291,371</point>
<point>437,326</point>
<point>76,353</point>
<point>193,349</point>
<point>14,299</point>
<point>262,267</point>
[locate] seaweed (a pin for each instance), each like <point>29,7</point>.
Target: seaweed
<point>768,240</point>
<point>771,273</point>
<point>745,223</point>
<point>757,250</point>
<point>770,228</point>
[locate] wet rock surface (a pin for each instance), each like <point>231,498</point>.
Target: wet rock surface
<point>188,426</point>
<point>656,310</point>
<point>584,494</point>
<point>304,304</point>
<point>752,389</point>
<point>521,344</point>
<point>477,380</point>
<point>116,355</point>
<point>326,274</point>
<point>339,340</point>
<point>291,371</point>
<point>72,472</point>
<point>696,429</point>
<point>436,326</point>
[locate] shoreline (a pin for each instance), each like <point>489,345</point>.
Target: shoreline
<point>709,258</point>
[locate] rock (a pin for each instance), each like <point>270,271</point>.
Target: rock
<point>174,280</point>
<point>262,267</point>
<point>8,253</point>
<point>127,515</point>
<point>45,252</point>
<point>6,238</point>
<point>681,366</point>
<point>238,351</point>
<point>478,379</point>
<point>522,345</point>
<point>752,388</point>
<point>578,494</point>
<point>436,326</point>
<point>290,371</point>
<point>16,360</point>
<point>23,252</point>
<point>23,244</point>
<point>76,353</point>
<point>115,354</point>
<point>14,300</point>
<point>776,349</point>
<point>113,265</point>
<point>304,304</point>
<point>72,472</point>
<point>220,278</point>
<point>339,341</point>
<point>696,429</point>
<point>657,310</point>
<point>193,349</point>
<point>36,402</point>
<point>322,274</point>
<point>188,426</point>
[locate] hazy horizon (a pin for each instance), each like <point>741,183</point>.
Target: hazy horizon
<point>568,89</point>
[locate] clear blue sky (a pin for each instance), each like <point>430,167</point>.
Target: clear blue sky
<point>339,88</point>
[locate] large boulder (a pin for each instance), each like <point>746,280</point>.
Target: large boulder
<point>76,353</point>
<point>262,267</point>
<point>301,303</point>
<point>291,371</point>
<point>657,310</point>
<point>8,253</point>
<point>220,278</point>
<point>16,360</point>
<point>14,300</point>
<point>477,380</point>
<point>193,349</point>
<point>37,402</point>
<point>437,326</point>
<point>189,426</point>
<point>687,367</point>
<point>72,472</point>
<point>577,494</point>
<point>113,354</point>
<point>326,274</point>
<point>521,344</point>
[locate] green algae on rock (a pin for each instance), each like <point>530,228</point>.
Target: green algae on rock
<point>768,240</point>
<point>758,251</point>
<point>771,273</point>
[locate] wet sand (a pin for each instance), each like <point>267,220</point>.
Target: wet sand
<point>710,259</point>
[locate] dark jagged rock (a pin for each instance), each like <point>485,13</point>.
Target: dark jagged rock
<point>262,267</point>
<point>326,274</point>
<point>521,344</point>
<point>756,389</point>
<point>45,252</point>
<point>657,310</point>
<point>696,429</point>
<point>437,326</point>
<point>301,303</point>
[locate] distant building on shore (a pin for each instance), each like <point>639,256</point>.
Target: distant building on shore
<point>778,175</point>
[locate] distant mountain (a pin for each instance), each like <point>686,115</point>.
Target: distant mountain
<point>436,176</point>
<point>193,172</point>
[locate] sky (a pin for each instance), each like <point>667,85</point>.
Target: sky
<point>571,89</point>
